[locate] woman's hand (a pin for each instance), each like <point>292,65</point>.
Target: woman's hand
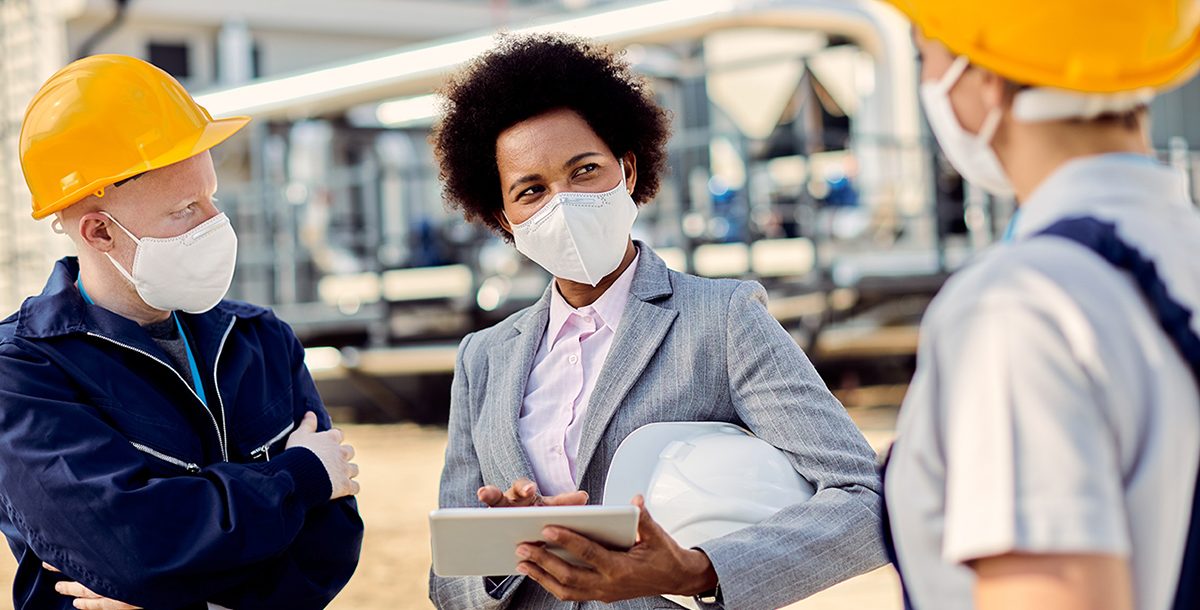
<point>656,565</point>
<point>524,493</point>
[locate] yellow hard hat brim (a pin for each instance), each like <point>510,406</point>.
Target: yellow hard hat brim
<point>217,131</point>
<point>1161,72</point>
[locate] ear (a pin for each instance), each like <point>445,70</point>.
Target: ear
<point>503,220</point>
<point>630,161</point>
<point>995,90</point>
<point>94,230</point>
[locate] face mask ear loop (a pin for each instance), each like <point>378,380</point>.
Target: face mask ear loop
<point>624,180</point>
<point>955,72</point>
<point>122,227</point>
<point>990,124</point>
<point>112,260</point>
<point>950,78</point>
<point>120,268</point>
<point>56,225</point>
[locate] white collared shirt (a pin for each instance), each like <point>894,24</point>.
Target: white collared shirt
<point>1050,413</point>
<point>562,379</point>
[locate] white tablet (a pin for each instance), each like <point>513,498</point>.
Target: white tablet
<point>483,541</point>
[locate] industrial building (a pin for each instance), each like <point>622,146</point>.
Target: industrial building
<point>800,159</point>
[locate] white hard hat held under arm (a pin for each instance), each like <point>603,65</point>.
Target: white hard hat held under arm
<point>703,480</point>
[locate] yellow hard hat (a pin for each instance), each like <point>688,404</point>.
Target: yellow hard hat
<point>105,118</point>
<point>1091,46</point>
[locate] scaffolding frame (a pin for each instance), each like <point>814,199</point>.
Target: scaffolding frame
<point>31,47</point>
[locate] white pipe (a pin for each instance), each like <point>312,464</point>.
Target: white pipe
<point>418,70</point>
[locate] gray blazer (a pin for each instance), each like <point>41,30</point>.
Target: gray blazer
<point>687,349</point>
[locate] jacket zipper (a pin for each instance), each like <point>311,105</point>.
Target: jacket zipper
<point>190,467</point>
<point>265,450</point>
<point>220,437</point>
<point>217,386</point>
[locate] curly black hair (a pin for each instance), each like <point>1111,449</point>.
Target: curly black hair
<point>525,76</point>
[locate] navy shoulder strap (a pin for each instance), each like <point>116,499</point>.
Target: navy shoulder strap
<point>1175,318</point>
<point>1101,237</point>
<point>889,539</point>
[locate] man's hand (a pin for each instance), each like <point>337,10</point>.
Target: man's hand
<point>335,455</point>
<point>656,565</point>
<point>524,493</point>
<point>85,599</point>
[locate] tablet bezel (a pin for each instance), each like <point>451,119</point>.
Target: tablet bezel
<point>483,541</point>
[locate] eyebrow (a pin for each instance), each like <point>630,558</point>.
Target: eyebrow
<point>578,158</point>
<point>535,177</point>
<point>186,201</point>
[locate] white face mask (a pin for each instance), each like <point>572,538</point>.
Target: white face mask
<point>190,272</point>
<point>970,154</point>
<point>579,236</point>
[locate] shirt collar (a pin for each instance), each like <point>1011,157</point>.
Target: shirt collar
<point>61,310</point>
<point>608,308</point>
<point>1078,186</point>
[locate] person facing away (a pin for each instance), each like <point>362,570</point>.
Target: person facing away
<point>160,447</point>
<point>551,142</point>
<point>1047,450</point>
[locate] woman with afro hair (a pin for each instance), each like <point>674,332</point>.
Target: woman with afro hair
<point>553,142</point>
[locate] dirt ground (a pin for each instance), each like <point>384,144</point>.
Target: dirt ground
<point>400,467</point>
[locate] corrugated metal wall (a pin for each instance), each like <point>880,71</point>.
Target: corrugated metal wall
<point>1174,115</point>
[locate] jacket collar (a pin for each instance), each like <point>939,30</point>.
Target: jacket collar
<point>651,282</point>
<point>644,324</point>
<point>1084,186</point>
<point>60,310</point>
<point>606,310</point>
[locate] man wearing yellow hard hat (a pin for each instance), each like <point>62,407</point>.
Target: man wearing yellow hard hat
<point>160,446</point>
<point>1047,450</point>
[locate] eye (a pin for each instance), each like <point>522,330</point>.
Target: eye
<point>586,169</point>
<point>529,192</point>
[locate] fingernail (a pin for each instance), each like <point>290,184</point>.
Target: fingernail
<point>522,570</point>
<point>550,534</point>
<point>522,552</point>
<point>58,586</point>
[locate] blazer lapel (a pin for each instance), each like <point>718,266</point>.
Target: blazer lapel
<point>644,325</point>
<point>509,365</point>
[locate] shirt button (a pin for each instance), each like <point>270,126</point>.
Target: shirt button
<point>573,359</point>
<point>587,319</point>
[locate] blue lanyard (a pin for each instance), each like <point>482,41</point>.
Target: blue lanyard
<point>1010,233</point>
<point>197,382</point>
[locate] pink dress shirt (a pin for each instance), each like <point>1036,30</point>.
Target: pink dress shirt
<point>561,382</point>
